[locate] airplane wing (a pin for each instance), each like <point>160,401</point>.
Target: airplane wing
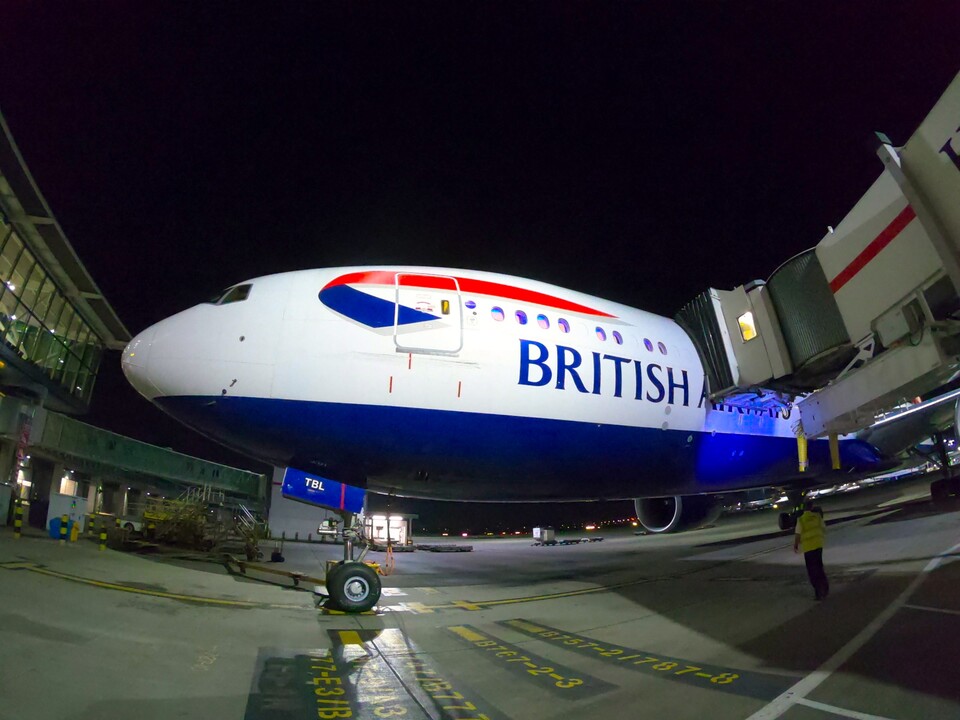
<point>905,428</point>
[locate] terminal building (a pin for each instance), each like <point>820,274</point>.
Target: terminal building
<point>55,328</point>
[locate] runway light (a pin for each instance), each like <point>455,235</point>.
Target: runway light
<point>517,533</point>
<point>444,534</point>
<point>464,534</point>
<point>591,527</point>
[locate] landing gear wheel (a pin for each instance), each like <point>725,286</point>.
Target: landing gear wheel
<point>353,586</point>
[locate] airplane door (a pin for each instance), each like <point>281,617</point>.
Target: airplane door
<point>427,317</point>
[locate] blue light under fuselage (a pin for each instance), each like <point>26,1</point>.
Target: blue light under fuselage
<point>501,457</point>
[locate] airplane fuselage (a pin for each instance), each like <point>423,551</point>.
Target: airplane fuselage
<point>460,385</point>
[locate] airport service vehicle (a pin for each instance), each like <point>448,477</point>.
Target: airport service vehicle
<point>458,384</point>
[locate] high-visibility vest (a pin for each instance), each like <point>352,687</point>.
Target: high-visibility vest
<point>810,528</point>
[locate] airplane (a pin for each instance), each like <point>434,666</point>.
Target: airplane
<point>455,384</point>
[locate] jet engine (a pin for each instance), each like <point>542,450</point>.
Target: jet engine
<point>676,513</point>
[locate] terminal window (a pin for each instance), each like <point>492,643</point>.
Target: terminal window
<point>39,324</point>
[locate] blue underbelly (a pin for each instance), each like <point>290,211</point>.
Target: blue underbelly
<point>474,456</point>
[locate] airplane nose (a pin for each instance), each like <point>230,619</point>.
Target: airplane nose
<point>136,363</point>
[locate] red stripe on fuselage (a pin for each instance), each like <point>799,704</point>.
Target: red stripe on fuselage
<point>467,285</point>
<point>873,248</point>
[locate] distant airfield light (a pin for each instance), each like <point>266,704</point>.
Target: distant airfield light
<point>444,534</point>
<point>634,523</point>
<point>518,533</point>
<point>775,506</point>
<point>464,534</point>
<point>591,527</point>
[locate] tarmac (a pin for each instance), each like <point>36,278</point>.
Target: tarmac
<point>717,623</point>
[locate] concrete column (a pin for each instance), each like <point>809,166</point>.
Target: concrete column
<point>58,470</point>
<point>92,496</point>
<point>112,497</point>
<point>8,458</point>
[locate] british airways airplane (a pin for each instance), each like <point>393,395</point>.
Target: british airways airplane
<point>465,385</point>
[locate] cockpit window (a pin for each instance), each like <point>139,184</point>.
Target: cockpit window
<point>235,294</point>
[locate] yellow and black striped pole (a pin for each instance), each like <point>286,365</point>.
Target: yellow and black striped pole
<point>92,526</point>
<point>103,537</point>
<point>17,519</point>
<point>63,529</point>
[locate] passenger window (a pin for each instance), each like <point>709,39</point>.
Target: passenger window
<point>618,337</point>
<point>521,317</point>
<point>235,294</point>
<point>648,345</point>
<point>543,322</point>
<point>601,334</point>
<point>497,314</point>
<point>563,325</point>
<point>662,348</point>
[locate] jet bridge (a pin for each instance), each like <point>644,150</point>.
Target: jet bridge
<point>868,318</point>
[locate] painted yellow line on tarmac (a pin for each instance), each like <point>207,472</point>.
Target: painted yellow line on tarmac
<point>350,637</point>
<point>200,599</point>
<point>466,633</point>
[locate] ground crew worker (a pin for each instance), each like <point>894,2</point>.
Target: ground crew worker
<point>809,538</point>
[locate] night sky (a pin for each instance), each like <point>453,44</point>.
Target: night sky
<point>641,152</point>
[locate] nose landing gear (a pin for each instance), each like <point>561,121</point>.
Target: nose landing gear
<point>353,585</point>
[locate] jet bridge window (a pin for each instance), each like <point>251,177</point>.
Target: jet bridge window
<point>235,294</point>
